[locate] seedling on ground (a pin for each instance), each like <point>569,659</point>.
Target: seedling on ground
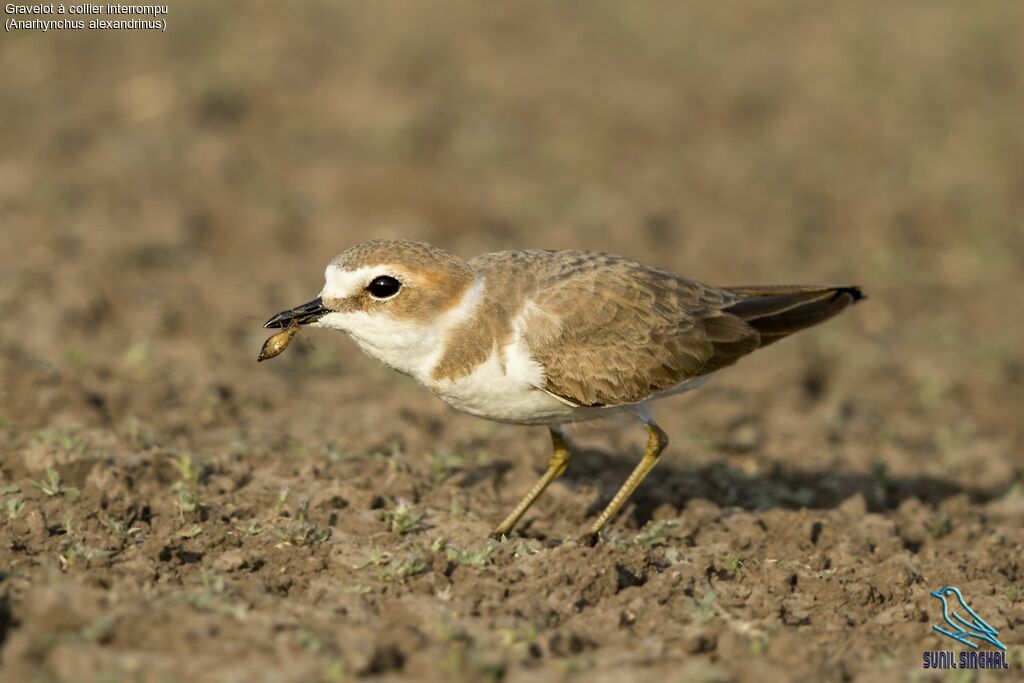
<point>477,559</point>
<point>193,532</point>
<point>457,509</point>
<point>377,556</point>
<point>62,439</point>
<point>403,519</point>
<point>444,464</point>
<point>939,525</point>
<point>655,533</point>
<point>13,507</point>
<point>72,553</point>
<point>52,485</point>
<point>524,549</point>
<point>301,531</point>
<point>214,596</point>
<point>187,496</point>
<point>394,569</point>
<point>279,502</point>
<point>733,562</point>
<point>705,607</point>
<point>122,530</point>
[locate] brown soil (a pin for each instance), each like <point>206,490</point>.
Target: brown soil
<point>317,517</point>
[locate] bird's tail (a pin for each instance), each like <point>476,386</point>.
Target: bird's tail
<point>777,311</point>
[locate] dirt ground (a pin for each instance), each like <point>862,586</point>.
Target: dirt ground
<point>172,511</point>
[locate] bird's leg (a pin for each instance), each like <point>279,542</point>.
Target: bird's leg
<point>656,442</point>
<point>556,467</point>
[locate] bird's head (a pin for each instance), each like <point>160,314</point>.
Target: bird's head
<point>397,299</point>
<point>946,592</point>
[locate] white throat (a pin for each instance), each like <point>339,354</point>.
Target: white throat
<point>411,347</point>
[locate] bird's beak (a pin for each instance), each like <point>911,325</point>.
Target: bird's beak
<point>937,594</point>
<point>303,315</point>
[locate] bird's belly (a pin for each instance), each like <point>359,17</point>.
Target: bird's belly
<point>496,392</point>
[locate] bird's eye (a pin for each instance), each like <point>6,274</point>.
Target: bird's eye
<point>383,287</point>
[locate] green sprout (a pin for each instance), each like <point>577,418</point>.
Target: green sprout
<point>52,486</point>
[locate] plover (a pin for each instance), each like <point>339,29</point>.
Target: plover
<point>551,337</point>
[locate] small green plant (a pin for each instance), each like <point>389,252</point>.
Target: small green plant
<point>13,507</point>
<point>301,531</point>
<point>187,500</point>
<point>524,549</point>
<point>733,562</point>
<point>939,525</point>
<point>62,439</point>
<point>477,559</point>
<point>121,530</point>
<point>214,595</point>
<point>394,569</point>
<point>52,485</point>
<point>279,502</point>
<point>187,469</point>
<point>403,519</point>
<point>705,607</point>
<point>409,566</point>
<point>192,532</point>
<point>72,553</point>
<point>333,453</point>
<point>138,435</point>
<point>186,489</point>
<point>655,533</point>
<point>520,638</point>
<point>376,557</point>
<point>10,488</point>
<point>457,509</point>
<point>444,464</point>
<point>253,529</point>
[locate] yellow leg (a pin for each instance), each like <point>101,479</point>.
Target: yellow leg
<point>656,442</point>
<point>556,467</point>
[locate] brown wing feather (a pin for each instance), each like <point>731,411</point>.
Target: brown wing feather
<point>616,332</point>
<point>609,331</point>
<point>779,311</point>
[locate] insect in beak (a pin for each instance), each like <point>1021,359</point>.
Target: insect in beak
<point>290,321</point>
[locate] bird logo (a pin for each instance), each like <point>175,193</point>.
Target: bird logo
<point>963,621</point>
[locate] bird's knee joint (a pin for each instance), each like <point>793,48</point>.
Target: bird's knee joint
<point>657,441</point>
<point>559,462</point>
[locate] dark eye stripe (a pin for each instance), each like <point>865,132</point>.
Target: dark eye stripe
<point>383,286</point>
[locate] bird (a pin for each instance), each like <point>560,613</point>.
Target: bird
<point>552,337</point>
<point>965,622</point>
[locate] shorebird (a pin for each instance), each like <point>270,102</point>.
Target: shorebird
<point>550,337</point>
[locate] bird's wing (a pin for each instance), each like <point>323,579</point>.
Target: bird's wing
<point>608,331</point>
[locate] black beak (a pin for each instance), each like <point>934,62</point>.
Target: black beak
<point>303,315</point>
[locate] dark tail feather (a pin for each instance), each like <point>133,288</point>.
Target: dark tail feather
<point>780,310</point>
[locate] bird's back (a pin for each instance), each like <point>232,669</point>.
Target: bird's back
<point>609,331</point>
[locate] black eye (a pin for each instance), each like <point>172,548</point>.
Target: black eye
<point>383,287</point>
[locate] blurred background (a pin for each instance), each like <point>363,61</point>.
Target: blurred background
<point>163,194</point>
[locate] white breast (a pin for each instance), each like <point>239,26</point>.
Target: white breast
<point>506,388</point>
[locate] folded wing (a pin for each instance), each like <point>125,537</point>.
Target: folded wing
<point>617,332</point>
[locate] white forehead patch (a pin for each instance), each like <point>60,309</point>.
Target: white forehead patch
<point>340,283</point>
